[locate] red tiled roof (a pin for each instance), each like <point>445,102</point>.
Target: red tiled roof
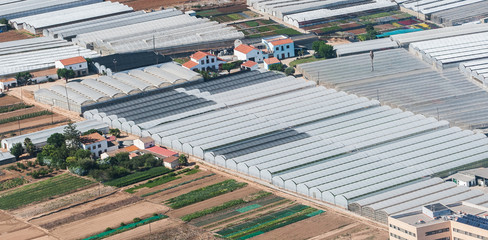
<point>161,151</point>
<point>8,80</point>
<point>71,61</point>
<point>199,55</point>
<point>170,159</point>
<point>272,60</point>
<point>281,42</point>
<point>146,139</point>
<point>249,64</point>
<point>190,64</point>
<point>131,148</point>
<point>43,73</point>
<point>111,138</point>
<point>243,48</point>
<point>92,138</point>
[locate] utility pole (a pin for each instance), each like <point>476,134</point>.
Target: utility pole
<point>115,64</point>
<point>371,55</point>
<point>52,115</point>
<point>18,121</point>
<point>154,43</point>
<point>377,94</point>
<point>438,117</point>
<point>318,78</point>
<point>67,99</point>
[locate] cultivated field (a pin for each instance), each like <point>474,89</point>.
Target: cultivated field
<point>14,115</point>
<point>261,27</point>
<point>14,35</point>
<point>14,229</point>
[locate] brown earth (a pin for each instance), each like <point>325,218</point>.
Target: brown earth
<point>20,112</point>
<point>32,122</point>
<point>175,230</point>
<point>212,202</point>
<point>14,35</point>
<point>8,100</point>
<point>97,224</point>
<point>14,229</point>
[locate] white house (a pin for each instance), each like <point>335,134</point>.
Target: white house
<point>94,142</point>
<point>171,162</point>
<point>270,61</point>
<point>204,61</point>
<point>7,83</point>
<point>77,64</point>
<point>44,75</point>
<point>245,52</point>
<point>462,179</point>
<point>249,65</point>
<point>281,47</point>
<point>143,143</point>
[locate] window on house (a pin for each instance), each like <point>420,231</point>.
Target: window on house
<point>277,48</point>
<point>99,145</point>
<point>282,48</point>
<point>208,61</point>
<point>203,62</point>
<point>287,46</point>
<point>213,59</point>
<point>80,65</point>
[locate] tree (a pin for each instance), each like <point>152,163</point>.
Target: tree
<point>277,67</point>
<point>17,150</point>
<point>57,140</point>
<point>23,78</point>
<point>370,32</point>
<point>183,160</point>
<point>29,147</point>
<point>289,71</point>
<point>72,137</point>
<point>82,153</point>
<point>92,131</point>
<point>66,73</point>
<point>3,21</point>
<point>114,132</point>
<point>228,66</point>
<point>323,50</point>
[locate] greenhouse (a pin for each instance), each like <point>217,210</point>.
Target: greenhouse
<point>406,82</point>
<point>37,54</point>
<point>123,84</point>
<point>40,138</point>
<point>172,32</point>
<point>15,9</point>
<point>37,23</point>
<point>322,143</point>
<point>477,70</point>
<point>364,47</point>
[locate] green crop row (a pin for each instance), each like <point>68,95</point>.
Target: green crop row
<point>204,193</point>
<point>207,211</point>
<point>11,183</point>
<point>10,108</point>
<point>138,176</point>
<point>177,185</point>
<point>156,182</point>
<point>25,116</point>
<point>126,227</point>
<point>42,190</point>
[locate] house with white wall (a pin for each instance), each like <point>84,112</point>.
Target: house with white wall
<point>271,61</point>
<point>7,83</point>
<point>203,61</point>
<point>250,65</point>
<point>144,143</point>
<point>245,52</point>
<point>77,64</point>
<point>96,143</point>
<point>280,47</point>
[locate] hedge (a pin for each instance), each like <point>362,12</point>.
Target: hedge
<point>25,116</point>
<point>138,176</point>
<point>10,108</point>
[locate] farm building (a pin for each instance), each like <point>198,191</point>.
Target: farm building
<point>203,61</point>
<point>303,13</point>
<point>280,47</point>
<point>123,84</point>
<point>37,23</point>
<point>364,47</point>
<point>168,34</point>
<point>250,65</point>
<point>7,83</point>
<point>37,54</point>
<point>171,162</point>
<point>40,138</point>
<point>246,52</point>
<point>15,9</point>
<point>77,64</point>
<point>72,30</point>
<point>270,61</point>
<point>401,80</point>
<point>446,12</point>
<point>126,61</point>
<point>95,143</point>
<point>143,143</point>
<point>319,142</point>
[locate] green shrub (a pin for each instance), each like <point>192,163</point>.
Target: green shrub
<point>25,116</point>
<point>207,211</point>
<point>14,107</point>
<point>136,219</point>
<point>138,176</point>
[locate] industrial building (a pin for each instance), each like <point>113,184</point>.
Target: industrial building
<point>318,142</point>
<point>446,12</point>
<point>37,54</point>
<point>11,9</point>
<point>169,33</point>
<point>39,139</point>
<point>401,80</point>
<point>122,84</point>
<point>37,23</point>
<point>303,13</point>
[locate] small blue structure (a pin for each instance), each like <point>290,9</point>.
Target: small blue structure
<point>3,28</point>
<point>400,31</point>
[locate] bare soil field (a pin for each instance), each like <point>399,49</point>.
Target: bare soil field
<point>14,35</point>
<point>8,100</point>
<point>96,224</point>
<point>14,229</point>
<point>32,122</point>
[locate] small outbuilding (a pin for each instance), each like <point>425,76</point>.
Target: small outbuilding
<point>144,143</point>
<point>249,65</point>
<point>203,61</point>
<point>171,162</point>
<point>245,52</point>
<point>270,61</point>
<point>5,84</point>
<point>6,158</point>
